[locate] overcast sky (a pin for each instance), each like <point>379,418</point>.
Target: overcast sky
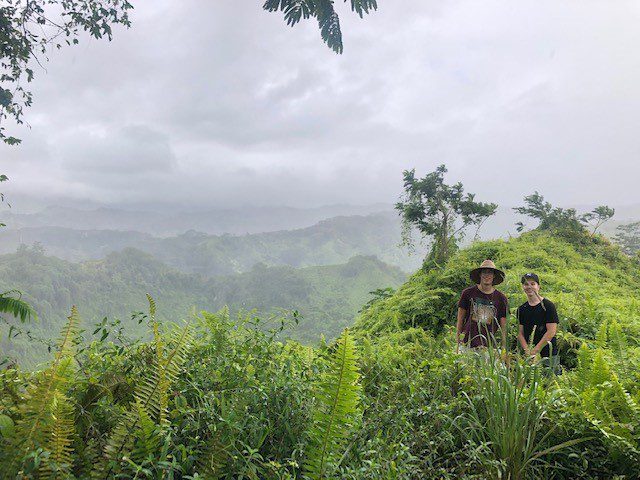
<point>218,103</point>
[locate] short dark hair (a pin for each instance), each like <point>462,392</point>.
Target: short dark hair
<point>530,276</point>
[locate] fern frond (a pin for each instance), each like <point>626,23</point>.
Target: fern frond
<point>45,414</point>
<point>212,459</point>
<point>600,370</point>
<point>601,336</point>
<point>152,307</point>
<point>16,306</point>
<point>617,340</point>
<point>147,438</point>
<point>60,460</point>
<point>337,409</point>
<point>119,444</point>
<point>151,402</point>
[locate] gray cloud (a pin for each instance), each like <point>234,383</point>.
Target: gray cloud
<point>221,103</point>
<point>130,150</point>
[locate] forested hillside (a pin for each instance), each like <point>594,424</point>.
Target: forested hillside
<point>329,242</point>
<point>326,297</point>
<point>223,399</point>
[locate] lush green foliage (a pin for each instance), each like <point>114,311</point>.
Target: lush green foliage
<point>326,298</point>
<point>439,211</point>
<point>11,303</point>
<point>338,399</point>
<point>393,401</point>
<point>565,221</point>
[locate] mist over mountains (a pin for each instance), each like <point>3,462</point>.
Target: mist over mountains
<point>162,223</point>
<point>330,241</point>
<point>223,242</point>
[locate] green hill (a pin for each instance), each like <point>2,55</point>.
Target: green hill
<point>590,283</point>
<point>327,297</point>
<point>222,399</point>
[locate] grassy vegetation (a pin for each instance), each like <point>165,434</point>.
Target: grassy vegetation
<point>390,400</point>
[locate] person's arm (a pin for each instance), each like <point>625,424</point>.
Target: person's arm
<point>503,322</point>
<point>552,328</point>
<point>522,340</point>
<point>462,314</point>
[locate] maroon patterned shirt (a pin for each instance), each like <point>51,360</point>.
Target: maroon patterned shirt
<point>484,311</point>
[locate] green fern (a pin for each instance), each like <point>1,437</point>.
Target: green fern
<point>617,342</point>
<point>211,459</point>
<point>600,370</point>
<point>337,409</point>
<point>58,465</point>
<point>602,398</point>
<point>601,336</point>
<point>145,422</point>
<point>46,414</point>
<point>16,306</point>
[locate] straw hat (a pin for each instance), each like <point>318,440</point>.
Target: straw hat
<point>498,276</point>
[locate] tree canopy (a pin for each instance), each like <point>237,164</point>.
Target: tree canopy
<point>562,219</point>
<point>439,211</point>
<point>30,28</point>
<point>628,237</point>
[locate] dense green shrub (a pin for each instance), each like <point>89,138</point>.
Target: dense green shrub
<point>221,397</point>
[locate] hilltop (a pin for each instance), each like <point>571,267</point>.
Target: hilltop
<point>590,282</point>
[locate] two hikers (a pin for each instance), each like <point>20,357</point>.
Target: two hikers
<point>482,312</point>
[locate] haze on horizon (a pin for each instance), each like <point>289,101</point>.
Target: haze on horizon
<point>220,105</point>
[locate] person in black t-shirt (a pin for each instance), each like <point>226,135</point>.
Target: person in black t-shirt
<point>538,319</point>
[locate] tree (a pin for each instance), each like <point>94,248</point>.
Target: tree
<point>439,211</point>
<point>29,28</point>
<point>628,237</point>
<point>598,216</point>
<point>323,11</point>
<point>551,218</point>
<point>562,219</point>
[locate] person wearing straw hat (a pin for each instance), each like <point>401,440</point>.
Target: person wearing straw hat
<point>538,316</point>
<point>482,309</point>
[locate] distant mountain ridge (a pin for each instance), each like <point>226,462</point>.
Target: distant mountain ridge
<point>330,241</point>
<point>241,220</point>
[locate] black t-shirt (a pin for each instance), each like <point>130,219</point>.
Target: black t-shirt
<point>530,317</point>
